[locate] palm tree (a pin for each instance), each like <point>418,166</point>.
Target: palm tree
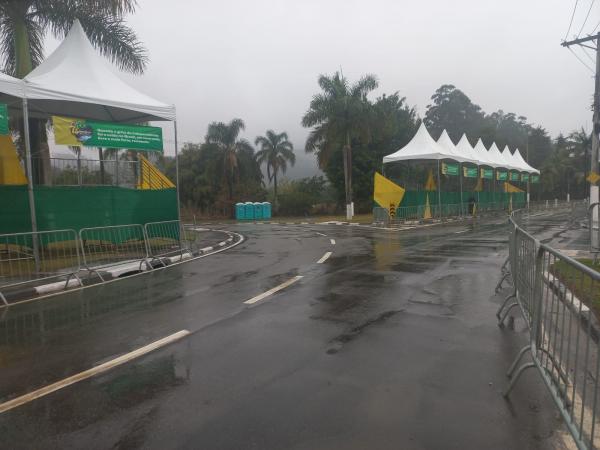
<point>338,115</point>
<point>225,137</point>
<point>24,24</point>
<point>276,151</point>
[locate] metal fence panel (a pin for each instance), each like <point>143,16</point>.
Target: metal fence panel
<point>106,246</point>
<point>164,238</point>
<point>560,301</point>
<point>27,257</point>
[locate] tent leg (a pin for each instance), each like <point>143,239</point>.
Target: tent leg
<point>36,250</point>
<point>439,188</point>
<point>461,192</point>
<point>177,172</point>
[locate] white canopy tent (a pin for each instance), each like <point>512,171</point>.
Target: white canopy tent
<point>451,148</point>
<point>483,155</point>
<point>76,81</point>
<point>525,167</point>
<point>421,146</point>
<point>464,148</point>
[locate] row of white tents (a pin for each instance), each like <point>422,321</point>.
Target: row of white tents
<point>423,147</point>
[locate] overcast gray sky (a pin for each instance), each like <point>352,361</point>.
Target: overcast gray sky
<point>259,60</point>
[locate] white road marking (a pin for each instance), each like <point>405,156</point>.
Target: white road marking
<point>332,241</point>
<point>15,402</point>
<point>273,290</point>
<point>324,258</point>
<point>320,234</point>
<point>458,232</point>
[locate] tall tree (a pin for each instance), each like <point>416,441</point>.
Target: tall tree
<point>225,137</point>
<point>24,24</point>
<point>453,111</point>
<point>338,115</point>
<point>275,151</point>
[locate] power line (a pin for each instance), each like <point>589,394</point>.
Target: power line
<point>595,28</point>
<point>592,60</point>
<point>581,60</point>
<point>571,22</point>
<point>586,18</point>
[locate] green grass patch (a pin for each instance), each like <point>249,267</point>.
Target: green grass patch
<point>581,284</point>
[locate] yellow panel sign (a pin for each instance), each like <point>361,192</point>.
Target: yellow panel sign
<point>387,194</point>
<point>593,177</point>
<point>11,171</point>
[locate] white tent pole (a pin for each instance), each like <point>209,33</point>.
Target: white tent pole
<point>439,187</point>
<point>177,172</point>
<point>461,192</point>
<point>36,254</point>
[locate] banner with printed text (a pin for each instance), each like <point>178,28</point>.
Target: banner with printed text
<point>501,176</point>
<point>515,176</point>
<point>470,172</point>
<point>4,119</point>
<point>449,169</point>
<point>87,133</point>
<point>487,173</point>
<point>525,177</point>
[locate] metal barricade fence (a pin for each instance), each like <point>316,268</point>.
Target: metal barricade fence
<point>111,245</point>
<point>164,238</point>
<point>559,298</point>
<point>43,255</point>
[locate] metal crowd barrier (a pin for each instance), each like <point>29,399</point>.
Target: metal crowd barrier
<point>43,255</point>
<point>118,244</point>
<point>559,298</point>
<point>164,239</point>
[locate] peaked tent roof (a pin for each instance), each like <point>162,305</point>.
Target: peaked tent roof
<point>495,155</point>
<point>447,144</point>
<point>76,81</point>
<point>524,166</point>
<point>421,146</point>
<point>464,148</point>
<point>482,154</point>
<point>508,157</point>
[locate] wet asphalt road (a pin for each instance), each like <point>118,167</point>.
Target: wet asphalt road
<point>390,343</point>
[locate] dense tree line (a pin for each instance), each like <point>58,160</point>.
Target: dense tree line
<point>348,128</point>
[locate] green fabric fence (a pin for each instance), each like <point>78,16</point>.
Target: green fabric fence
<point>76,207</point>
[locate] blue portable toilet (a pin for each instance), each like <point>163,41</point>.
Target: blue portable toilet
<point>240,211</point>
<point>266,210</point>
<point>258,210</point>
<point>249,210</point>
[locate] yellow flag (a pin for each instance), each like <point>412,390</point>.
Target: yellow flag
<point>427,211</point>
<point>479,186</point>
<point>11,171</point>
<point>511,188</point>
<point>593,177</point>
<point>387,194</point>
<point>430,184</point>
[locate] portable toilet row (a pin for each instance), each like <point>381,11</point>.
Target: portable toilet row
<point>252,211</point>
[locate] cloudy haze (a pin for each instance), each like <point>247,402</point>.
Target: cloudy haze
<point>259,60</point>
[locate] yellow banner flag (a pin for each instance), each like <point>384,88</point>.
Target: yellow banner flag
<point>387,194</point>
<point>593,177</point>
<point>11,171</point>
<point>510,188</point>
<point>430,183</point>
<point>479,186</point>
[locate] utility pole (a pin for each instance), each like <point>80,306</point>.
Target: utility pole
<point>584,42</point>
